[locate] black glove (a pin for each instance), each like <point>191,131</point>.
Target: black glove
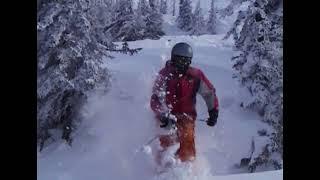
<point>166,121</point>
<point>213,116</point>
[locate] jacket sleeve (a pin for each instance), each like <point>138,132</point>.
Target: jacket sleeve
<point>157,101</point>
<point>208,92</point>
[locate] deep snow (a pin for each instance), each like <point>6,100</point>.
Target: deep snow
<point>120,122</point>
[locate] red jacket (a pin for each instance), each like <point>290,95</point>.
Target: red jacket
<point>178,94</point>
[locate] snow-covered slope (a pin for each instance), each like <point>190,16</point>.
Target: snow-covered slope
<point>120,122</point>
<point>274,175</point>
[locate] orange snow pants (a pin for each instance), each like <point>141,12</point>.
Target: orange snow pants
<point>185,136</point>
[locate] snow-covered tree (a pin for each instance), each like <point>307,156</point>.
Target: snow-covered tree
<point>229,10</point>
<point>100,16</point>
<point>122,27</point>
<point>136,28</point>
<point>132,30</point>
<point>69,59</point>
<point>259,67</point>
<point>237,25</point>
<point>212,19</point>
<point>153,22</point>
<point>198,22</point>
<point>143,22</point>
<point>71,47</point>
<point>184,19</point>
<point>143,8</point>
<point>163,6</point>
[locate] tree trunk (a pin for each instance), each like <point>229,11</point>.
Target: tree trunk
<point>174,8</point>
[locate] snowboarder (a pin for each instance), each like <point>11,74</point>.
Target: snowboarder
<point>173,100</point>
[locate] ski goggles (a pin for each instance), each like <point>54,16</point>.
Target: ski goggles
<point>181,61</point>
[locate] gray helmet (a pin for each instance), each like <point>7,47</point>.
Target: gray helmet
<point>182,49</point>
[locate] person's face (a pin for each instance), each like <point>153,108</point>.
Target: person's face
<point>181,63</point>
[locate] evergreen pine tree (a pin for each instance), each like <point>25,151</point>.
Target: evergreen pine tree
<point>184,19</point>
<point>259,68</point>
<point>198,22</point>
<point>69,64</point>
<point>212,20</point>
<point>154,22</point>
